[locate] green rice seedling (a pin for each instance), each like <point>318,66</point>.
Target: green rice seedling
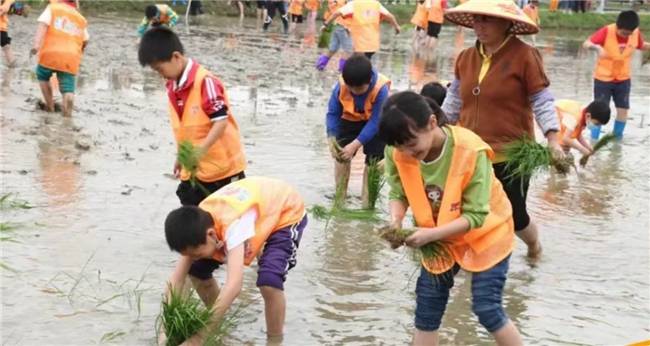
<point>8,226</point>
<point>525,157</point>
<point>188,157</point>
<point>337,150</point>
<point>563,166</point>
<point>181,317</point>
<point>437,251</point>
<point>395,236</point>
<point>602,142</point>
<point>324,37</point>
<point>6,267</point>
<point>7,203</point>
<point>112,336</point>
<point>184,315</point>
<point>376,181</point>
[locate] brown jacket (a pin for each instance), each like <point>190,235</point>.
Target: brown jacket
<point>501,112</point>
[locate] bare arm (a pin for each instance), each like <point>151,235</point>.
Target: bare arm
<point>397,213</point>
<point>177,279</point>
<point>646,46</point>
<point>38,39</point>
<point>332,18</point>
<point>391,19</point>
<point>426,235</point>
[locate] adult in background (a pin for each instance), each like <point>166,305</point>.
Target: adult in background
<point>500,86</point>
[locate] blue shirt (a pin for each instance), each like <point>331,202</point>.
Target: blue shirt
<point>335,110</point>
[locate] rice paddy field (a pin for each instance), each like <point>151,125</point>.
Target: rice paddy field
<point>83,256</point>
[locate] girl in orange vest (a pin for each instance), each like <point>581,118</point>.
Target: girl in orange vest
<point>5,40</point>
<point>444,174</point>
<point>615,44</point>
<point>199,112</point>
<point>251,218</point>
<point>59,51</point>
<point>435,19</point>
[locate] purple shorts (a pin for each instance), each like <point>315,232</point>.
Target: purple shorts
<point>278,257</point>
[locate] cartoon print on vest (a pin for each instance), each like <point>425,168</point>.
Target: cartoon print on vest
<point>434,195</point>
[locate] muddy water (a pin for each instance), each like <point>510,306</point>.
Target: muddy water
<point>88,263</point>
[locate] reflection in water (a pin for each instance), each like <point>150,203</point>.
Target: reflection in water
<point>58,161</point>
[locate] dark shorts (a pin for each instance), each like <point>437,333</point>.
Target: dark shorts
<point>369,54</point>
<point>278,257</point>
<point>296,18</point>
<point>193,195</point>
<point>433,29</point>
<point>619,91</point>
<point>350,130</point>
<point>517,190</point>
<point>4,38</point>
<point>272,6</point>
<point>432,294</point>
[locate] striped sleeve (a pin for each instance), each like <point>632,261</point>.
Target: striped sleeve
<point>213,99</point>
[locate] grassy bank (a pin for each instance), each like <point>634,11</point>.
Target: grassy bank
<point>403,13</point>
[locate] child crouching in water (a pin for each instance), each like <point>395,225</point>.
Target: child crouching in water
<point>445,175</point>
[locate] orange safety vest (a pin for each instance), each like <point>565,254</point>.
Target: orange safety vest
<point>436,14</point>
<point>332,6</point>
<point>347,100</point>
<point>573,109</point>
<point>4,18</point>
<point>364,26</point>
<point>295,7</point>
<point>478,249</point>
<point>277,203</point>
<point>553,5</point>
<point>63,44</point>
<point>162,14</point>
<point>312,5</point>
<point>616,66</point>
<point>420,16</point>
<point>532,13</point>
<point>225,157</point>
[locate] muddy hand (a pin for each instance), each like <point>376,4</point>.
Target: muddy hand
<point>556,151</point>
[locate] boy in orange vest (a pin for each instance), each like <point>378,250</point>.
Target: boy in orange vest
<point>199,113</point>
<point>155,15</point>
<point>444,174</point>
<point>615,44</point>
<point>435,18</point>
<point>364,17</point>
<point>352,118</point>
<point>5,40</point>
<point>251,218</point>
<point>574,118</point>
<point>60,48</point>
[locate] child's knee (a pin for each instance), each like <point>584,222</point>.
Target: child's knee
<point>489,311</point>
<point>267,280</point>
<point>270,292</point>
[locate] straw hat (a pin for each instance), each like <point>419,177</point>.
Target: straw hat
<point>464,14</point>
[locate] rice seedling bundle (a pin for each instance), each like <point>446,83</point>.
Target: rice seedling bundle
<point>188,157</point>
<point>182,316</point>
<point>525,158</point>
<point>376,181</point>
<point>602,142</point>
<point>325,35</point>
<point>435,251</point>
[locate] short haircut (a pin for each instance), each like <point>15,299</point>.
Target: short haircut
<point>357,71</point>
<point>405,113</point>
<point>158,44</point>
<point>599,111</point>
<point>151,11</point>
<point>434,91</point>
<point>187,227</point>
<point>627,20</point>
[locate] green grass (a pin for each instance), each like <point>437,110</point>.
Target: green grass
<point>376,181</point>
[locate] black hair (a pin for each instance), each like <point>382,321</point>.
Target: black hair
<point>186,227</point>
<point>404,113</point>
<point>628,20</point>
<point>434,91</point>
<point>151,11</point>
<point>158,44</point>
<point>357,71</point>
<point>599,111</point>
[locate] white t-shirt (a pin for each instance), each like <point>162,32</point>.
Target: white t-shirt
<point>241,229</point>
<point>46,18</point>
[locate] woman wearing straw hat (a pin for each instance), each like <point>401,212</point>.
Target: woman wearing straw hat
<point>499,85</point>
